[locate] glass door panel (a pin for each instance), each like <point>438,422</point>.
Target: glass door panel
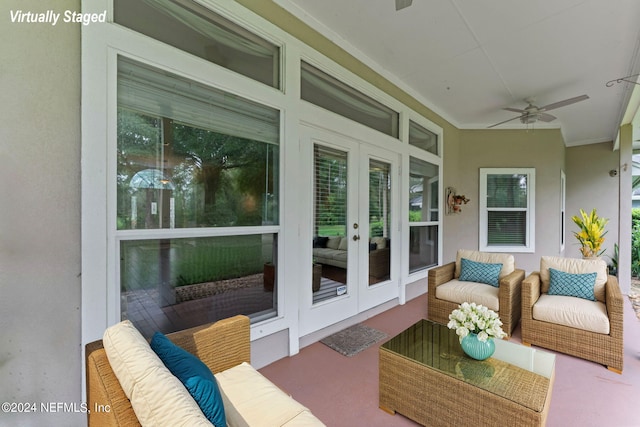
<point>330,226</point>
<point>379,260</point>
<point>377,196</point>
<point>350,206</point>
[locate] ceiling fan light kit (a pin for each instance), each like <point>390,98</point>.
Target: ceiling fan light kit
<point>528,119</point>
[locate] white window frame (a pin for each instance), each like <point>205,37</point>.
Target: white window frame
<point>563,210</point>
<point>529,246</point>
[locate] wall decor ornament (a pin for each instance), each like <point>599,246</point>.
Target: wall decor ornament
<point>455,201</point>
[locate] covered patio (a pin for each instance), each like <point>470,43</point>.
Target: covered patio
<point>62,234</point>
<point>343,391</point>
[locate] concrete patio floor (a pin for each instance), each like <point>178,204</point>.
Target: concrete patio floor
<point>343,391</point>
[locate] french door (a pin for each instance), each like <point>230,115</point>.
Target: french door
<point>354,228</point>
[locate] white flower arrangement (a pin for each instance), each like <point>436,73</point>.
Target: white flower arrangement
<point>478,319</point>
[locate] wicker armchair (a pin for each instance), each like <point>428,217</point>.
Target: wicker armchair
<point>604,348</point>
<point>508,292</point>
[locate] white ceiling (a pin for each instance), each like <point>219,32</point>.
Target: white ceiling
<point>468,59</point>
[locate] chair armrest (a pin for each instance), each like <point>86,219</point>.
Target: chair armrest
<point>511,282</point>
<point>531,289</point>
<point>510,289</point>
<point>379,255</point>
<point>510,299</point>
<point>440,275</point>
<point>220,345</point>
<point>615,306</point>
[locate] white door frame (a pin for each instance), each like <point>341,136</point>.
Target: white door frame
<point>359,296</point>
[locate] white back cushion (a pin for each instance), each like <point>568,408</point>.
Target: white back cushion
<point>334,242</point>
<point>507,260</point>
<point>575,266</point>
<point>157,397</point>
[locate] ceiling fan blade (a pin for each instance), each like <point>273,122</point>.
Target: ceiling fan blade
<point>401,4</point>
<point>497,124</point>
<point>544,117</point>
<point>515,110</point>
<point>563,103</point>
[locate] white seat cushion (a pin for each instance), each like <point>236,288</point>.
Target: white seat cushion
<point>574,312</point>
<point>304,419</point>
<point>507,260</point>
<point>252,400</point>
<point>458,291</point>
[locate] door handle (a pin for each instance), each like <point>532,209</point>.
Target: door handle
<point>356,237</point>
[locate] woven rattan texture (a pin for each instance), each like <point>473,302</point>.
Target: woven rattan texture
<point>220,345</point>
<point>509,296</point>
<point>433,398</point>
<point>600,348</point>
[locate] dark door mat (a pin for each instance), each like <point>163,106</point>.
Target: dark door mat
<point>354,339</point>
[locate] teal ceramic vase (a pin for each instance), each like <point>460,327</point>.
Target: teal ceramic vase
<point>477,349</point>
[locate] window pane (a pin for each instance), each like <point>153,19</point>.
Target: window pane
<point>379,221</point>
<point>327,92</point>
<point>506,228</point>
<point>330,242</point>
<point>507,191</point>
<point>173,284</point>
<point>423,138</point>
<point>187,157</point>
<point>423,247</point>
<point>330,170</point>
<point>423,191</point>
<point>193,28</point>
<point>507,209</point>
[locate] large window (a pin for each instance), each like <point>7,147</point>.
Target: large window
<point>331,94</point>
<point>423,138</point>
<point>193,157</point>
<point>423,214</point>
<point>507,209</point>
<point>195,29</point>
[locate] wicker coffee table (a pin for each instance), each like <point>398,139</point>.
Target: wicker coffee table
<point>425,376</point>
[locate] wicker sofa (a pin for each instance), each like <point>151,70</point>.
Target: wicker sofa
<point>446,292</point>
<point>333,251</point>
<point>224,346</point>
<point>604,346</point>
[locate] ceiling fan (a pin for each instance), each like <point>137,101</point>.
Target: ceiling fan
<point>532,113</point>
<point>401,4</point>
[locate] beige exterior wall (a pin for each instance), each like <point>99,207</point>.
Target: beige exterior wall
<point>590,186</point>
<point>40,354</point>
<point>542,149</point>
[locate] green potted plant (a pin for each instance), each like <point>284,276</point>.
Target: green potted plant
<point>591,234</point>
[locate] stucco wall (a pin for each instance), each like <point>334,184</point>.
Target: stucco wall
<point>590,186</point>
<point>542,149</point>
<point>40,354</point>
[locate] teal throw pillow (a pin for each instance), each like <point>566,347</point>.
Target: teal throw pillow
<point>572,285</point>
<point>195,375</point>
<point>480,272</point>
